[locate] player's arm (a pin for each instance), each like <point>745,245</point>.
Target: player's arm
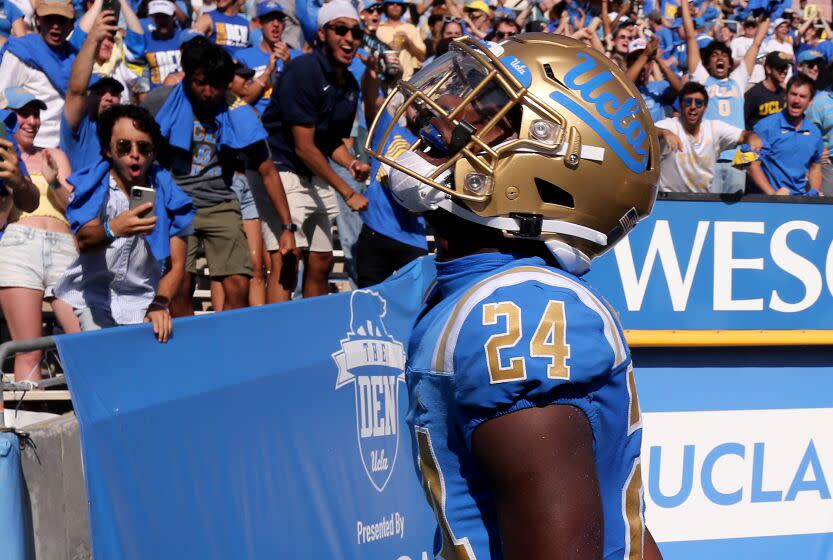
<point>541,465</point>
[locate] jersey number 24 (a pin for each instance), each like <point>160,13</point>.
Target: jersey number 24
<point>549,342</point>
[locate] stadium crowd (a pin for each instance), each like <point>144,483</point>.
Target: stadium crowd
<point>154,132</point>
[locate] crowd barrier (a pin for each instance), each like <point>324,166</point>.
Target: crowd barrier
<point>279,431</point>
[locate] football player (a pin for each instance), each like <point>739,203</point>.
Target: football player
<point>532,157</point>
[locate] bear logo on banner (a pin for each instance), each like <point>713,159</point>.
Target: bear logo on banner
<point>374,363</point>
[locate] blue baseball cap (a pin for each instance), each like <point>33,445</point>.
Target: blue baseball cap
<point>371,3</point>
<point>810,54</point>
<point>268,7</point>
<point>18,97</point>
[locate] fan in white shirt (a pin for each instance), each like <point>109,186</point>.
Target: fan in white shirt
<point>690,145</point>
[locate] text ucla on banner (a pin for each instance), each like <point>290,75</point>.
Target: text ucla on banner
<point>737,453</point>
<point>275,432</point>
<point>711,265</point>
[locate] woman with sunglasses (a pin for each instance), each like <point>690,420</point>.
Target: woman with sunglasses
<point>37,246</point>
<point>132,256</point>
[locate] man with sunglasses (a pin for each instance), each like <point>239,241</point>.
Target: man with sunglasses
<point>504,29</point>
<point>402,37</point>
<point>308,119</point>
<point>767,97</point>
<point>690,144</point>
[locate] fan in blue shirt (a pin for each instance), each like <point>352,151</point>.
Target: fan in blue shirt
<point>790,161</point>
<point>163,42</point>
<point>658,95</point>
<point>271,54</point>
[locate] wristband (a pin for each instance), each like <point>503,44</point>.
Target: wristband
<point>349,196</point>
<point>108,232</point>
<point>55,186</point>
<point>159,303</point>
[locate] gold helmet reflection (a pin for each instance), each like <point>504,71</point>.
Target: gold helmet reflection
<point>581,165</point>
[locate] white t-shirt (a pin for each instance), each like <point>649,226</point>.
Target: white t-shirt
<point>740,46</point>
<point>13,73</point>
<point>692,169</point>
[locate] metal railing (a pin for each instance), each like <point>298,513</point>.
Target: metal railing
<point>8,349</point>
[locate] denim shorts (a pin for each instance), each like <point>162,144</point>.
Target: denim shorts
<point>34,258</point>
<point>240,186</point>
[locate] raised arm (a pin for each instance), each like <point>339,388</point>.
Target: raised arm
<point>82,68</point>
<point>692,47</point>
<point>130,18</point>
<point>88,19</point>
<point>752,54</point>
<point>203,24</point>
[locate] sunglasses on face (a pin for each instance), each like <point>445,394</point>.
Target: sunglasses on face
<point>452,19</point>
<point>374,10</point>
<point>341,31</point>
<point>125,146</point>
<point>697,102</point>
<point>503,34</point>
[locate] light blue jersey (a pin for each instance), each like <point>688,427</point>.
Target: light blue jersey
<point>500,334</point>
<point>725,98</point>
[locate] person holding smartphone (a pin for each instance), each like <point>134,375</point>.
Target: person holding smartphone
<point>131,261</point>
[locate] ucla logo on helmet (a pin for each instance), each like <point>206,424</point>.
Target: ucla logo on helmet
<point>374,364</point>
<point>628,139</point>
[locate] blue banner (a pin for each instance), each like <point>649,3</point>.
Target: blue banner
<point>708,265</point>
<point>280,431</point>
<point>275,432</point>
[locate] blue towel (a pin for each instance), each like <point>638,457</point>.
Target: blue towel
<point>33,51</point>
<point>173,208</point>
<point>238,125</point>
<point>773,8</point>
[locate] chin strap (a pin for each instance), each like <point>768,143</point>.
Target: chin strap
<point>512,224</point>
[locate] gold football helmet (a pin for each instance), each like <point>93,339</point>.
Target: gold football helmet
<point>539,136</point>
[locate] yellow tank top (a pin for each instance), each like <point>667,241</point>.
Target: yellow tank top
<point>46,208</point>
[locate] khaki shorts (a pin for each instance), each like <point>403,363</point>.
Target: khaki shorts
<point>220,229</point>
<point>313,207</point>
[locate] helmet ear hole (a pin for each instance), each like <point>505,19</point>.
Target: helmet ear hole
<point>552,194</point>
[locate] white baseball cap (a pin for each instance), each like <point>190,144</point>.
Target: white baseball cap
<point>637,44</point>
<point>161,7</point>
<point>336,9</point>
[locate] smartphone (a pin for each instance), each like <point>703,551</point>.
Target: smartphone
<point>140,195</point>
<point>113,5</point>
